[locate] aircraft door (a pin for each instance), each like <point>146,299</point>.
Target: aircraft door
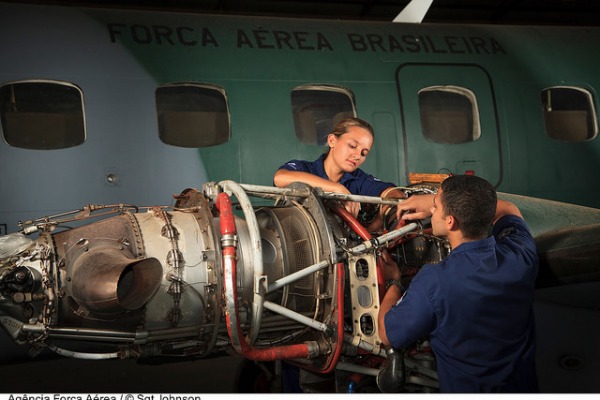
<point>449,120</point>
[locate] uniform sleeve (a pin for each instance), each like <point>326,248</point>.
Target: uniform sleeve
<point>412,317</point>
<point>512,232</point>
<point>368,185</point>
<point>297,165</point>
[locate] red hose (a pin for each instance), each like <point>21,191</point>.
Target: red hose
<point>227,225</point>
<point>227,222</point>
<point>361,231</point>
<point>337,352</point>
<point>348,218</point>
<point>340,328</point>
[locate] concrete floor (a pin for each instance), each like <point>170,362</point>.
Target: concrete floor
<point>568,358</point>
<point>65,375</point>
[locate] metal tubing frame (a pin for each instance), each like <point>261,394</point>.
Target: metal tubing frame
<point>286,312</point>
<point>259,302</point>
<point>238,341</point>
<point>286,280</point>
<point>270,191</point>
<point>257,259</point>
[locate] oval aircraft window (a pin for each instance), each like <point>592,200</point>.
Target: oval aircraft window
<point>42,115</point>
<point>192,115</point>
<point>317,109</point>
<point>569,114</point>
<point>449,114</point>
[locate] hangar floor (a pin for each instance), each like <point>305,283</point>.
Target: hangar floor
<point>65,375</point>
<point>568,358</point>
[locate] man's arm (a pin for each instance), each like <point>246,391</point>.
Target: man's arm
<point>504,208</point>
<point>419,206</point>
<point>392,295</point>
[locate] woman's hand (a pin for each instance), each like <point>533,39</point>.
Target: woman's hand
<point>352,207</point>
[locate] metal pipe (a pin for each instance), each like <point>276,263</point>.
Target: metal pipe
<point>256,249</point>
<point>83,332</point>
<point>361,231</point>
<point>295,316</point>
<point>386,237</point>
<point>361,248</point>
<point>228,244</point>
<point>83,356</point>
<point>413,366</point>
<point>286,280</point>
<point>267,190</point>
<point>358,198</point>
<point>303,350</point>
<point>364,345</point>
<point>366,235</point>
<point>340,326</point>
<point>275,191</point>
<point>357,368</point>
<point>135,337</point>
<point>356,226</point>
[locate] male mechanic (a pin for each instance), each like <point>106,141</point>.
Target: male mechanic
<point>476,306</point>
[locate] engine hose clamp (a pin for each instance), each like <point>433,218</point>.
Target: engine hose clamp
<point>229,240</point>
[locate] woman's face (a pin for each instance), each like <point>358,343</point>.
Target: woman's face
<point>349,151</point>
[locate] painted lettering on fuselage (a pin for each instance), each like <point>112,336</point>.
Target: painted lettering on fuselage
<point>162,35</point>
<point>265,39</point>
<point>425,44</point>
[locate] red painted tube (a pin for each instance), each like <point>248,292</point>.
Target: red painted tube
<point>361,231</point>
<point>340,326</point>
<point>227,223</point>
<point>227,226</point>
<point>348,218</point>
<point>337,352</point>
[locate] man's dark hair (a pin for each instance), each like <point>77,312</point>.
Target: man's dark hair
<point>471,200</point>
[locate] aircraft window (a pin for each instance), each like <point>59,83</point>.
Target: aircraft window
<point>42,115</point>
<point>192,115</point>
<point>569,114</point>
<point>317,109</point>
<point>449,114</point>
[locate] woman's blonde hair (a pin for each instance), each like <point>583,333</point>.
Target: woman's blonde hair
<point>345,124</point>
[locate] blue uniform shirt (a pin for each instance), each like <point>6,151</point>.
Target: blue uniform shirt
<point>477,308</point>
<point>357,182</point>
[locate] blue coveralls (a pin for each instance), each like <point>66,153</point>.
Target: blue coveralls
<point>477,308</point>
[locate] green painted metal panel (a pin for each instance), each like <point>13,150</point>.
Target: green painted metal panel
<point>481,156</point>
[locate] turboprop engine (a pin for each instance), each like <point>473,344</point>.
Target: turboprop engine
<point>289,275</point>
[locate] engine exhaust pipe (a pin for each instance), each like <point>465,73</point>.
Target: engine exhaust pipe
<point>108,281</point>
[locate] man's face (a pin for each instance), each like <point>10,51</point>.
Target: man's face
<point>438,219</point>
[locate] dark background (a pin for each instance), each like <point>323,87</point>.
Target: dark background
<point>508,12</point>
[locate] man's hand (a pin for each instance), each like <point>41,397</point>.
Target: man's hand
<point>415,207</point>
<point>390,268</point>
